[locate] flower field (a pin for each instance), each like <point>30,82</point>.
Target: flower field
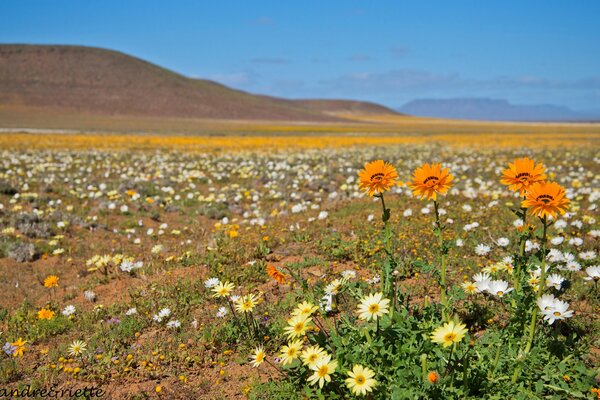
<point>444,266</point>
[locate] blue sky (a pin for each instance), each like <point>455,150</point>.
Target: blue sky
<point>528,52</point>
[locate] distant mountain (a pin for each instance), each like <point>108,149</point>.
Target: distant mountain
<point>493,110</point>
<point>93,81</point>
<point>345,107</point>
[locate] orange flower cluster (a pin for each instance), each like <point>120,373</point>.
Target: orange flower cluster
<point>542,198</point>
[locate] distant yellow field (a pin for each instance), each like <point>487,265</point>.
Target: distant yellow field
<point>235,142</point>
<point>17,119</point>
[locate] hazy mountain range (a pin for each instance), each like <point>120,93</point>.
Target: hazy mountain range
<point>494,110</point>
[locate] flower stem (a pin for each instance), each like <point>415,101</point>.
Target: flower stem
<point>540,292</point>
<point>438,231</point>
<point>390,266</point>
<point>520,262</point>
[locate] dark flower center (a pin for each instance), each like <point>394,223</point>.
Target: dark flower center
<point>523,176</point>
<point>546,198</point>
<point>377,177</point>
<point>429,179</point>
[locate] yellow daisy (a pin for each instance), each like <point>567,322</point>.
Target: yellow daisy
<point>373,306</point>
<point>449,333</point>
<point>360,380</point>
<point>323,369</point>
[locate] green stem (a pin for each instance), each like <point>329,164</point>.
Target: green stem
<point>520,262</point>
<point>438,230</point>
<point>424,370</point>
<point>540,292</point>
<point>386,281</point>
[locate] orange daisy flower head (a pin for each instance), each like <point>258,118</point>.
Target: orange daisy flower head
<point>276,274</point>
<point>377,177</point>
<point>45,313</point>
<point>521,174</point>
<point>546,199</point>
<point>429,180</point>
<point>433,377</point>
<point>51,281</point>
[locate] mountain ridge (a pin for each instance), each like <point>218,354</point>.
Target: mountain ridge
<point>492,110</point>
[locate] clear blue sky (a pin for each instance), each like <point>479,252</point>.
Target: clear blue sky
<point>528,52</point>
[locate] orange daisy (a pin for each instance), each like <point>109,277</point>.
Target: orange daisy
<point>545,198</point>
<point>377,177</point>
<point>429,180</point>
<point>45,313</point>
<point>51,281</point>
<point>276,274</point>
<point>521,174</point>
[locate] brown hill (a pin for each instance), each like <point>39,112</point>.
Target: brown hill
<point>105,82</point>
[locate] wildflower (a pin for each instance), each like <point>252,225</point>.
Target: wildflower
<point>68,310</point>
<point>333,287</point>
<point>274,273</point>
<point>173,324</point>
<point>246,303</point>
<point>360,380</point>
<point>593,273</point>
<point>157,249</point>
<point>521,174</point>
<point>554,256</point>
<point>258,356</point>
<point>377,177</point>
<point>433,377</point>
<point>9,349</point>
<point>482,249</point>
<point>587,255</point>
<point>546,199</point>
<point>131,311</point>
<point>555,281</point>
<point>503,242</point>
<point>326,303</point>
<point>348,274</point>
<point>19,346</point>
<point>45,313</point>
<point>89,295</point>
<point>290,352</point>
<point>128,265</point>
<point>556,311</point>
<point>449,333</point>
<point>165,312</point>
<point>429,180</point>
<point>211,283</point>
<point>546,302</point>
<point>51,281</point>
<point>298,326</point>
<point>222,312</point>
<point>469,287</point>
<point>305,308</point>
<point>311,355</point>
<point>498,288</point>
<point>77,348</point>
<point>323,369</point>
<point>557,240</point>
<point>373,306</point>
<point>222,289</point>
